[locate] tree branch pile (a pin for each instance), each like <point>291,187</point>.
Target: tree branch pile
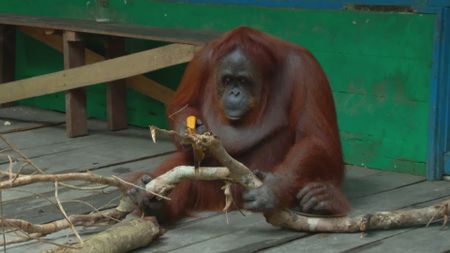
<point>139,232</point>
<point>236,172</point>
<point>123,237</point>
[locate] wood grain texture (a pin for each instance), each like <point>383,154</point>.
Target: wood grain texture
<point>7,55</point>
<point>116,91</point>
<point>374,79</point>
<point>194,37</point>
<point>73,50</point>
<point>103,153</point>
<point>109,70</point>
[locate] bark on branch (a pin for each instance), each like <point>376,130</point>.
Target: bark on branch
<point>86,176</point>
<point>236,172</point>
<point>122,237</point>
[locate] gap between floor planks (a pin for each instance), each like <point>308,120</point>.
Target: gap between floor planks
<point>375,183</point>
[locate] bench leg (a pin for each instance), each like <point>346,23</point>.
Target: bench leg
<point>76,117</point>
<point>116,91</point>
<point>7,55</point>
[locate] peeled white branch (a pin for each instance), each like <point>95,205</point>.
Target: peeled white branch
<point>239,173</point>
<point>375,221</point>
<point>122,237</point>
<point>167,181</point>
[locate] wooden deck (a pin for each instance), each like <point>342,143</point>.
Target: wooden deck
<point>42,137</point>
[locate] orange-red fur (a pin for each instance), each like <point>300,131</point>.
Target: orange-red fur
<point>292,131</point>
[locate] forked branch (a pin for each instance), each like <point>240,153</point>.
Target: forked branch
<point>236,172</point>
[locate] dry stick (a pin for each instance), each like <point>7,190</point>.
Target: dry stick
<point>283,217</point>
<point>83,188</point>
<point>61,208</point>
<point>44,229</point>
<point>122,237</point>
<point>21,239</point>
<point>137,186</point>
<point>27,237</point>
<point>10,167</point>
<point>1,215</point>
<point>126,236</point>
<point>21,154</point>
<point>125,206</point>
<point>84,176</point>
<point>1,206</point>
<point>239,173</point>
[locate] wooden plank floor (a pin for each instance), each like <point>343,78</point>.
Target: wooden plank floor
<point>41,136</point>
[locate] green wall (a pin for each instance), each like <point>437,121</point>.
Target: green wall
<point>379,66</point>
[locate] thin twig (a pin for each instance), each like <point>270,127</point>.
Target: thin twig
<point>10,167</point>
<point>106,205</point>
<point>17,174</point>
<point>1,208</point>
<point>61,208</point>
<point>237,172</point>
<point>21,154</point>
<point>37,237</point>
<point>84,176</point>
<point>178,111</point>
<point>96,211</point>
<point>21,238</point>
<point>93,188</point>
<point>3,225</point>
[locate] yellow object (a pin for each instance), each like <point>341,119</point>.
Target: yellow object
<point>190,122</point>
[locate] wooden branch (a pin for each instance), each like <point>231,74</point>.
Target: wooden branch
<point>21,154</point>
<point>122,237</point>
<point>375,221</point>
<point>167,181</point>
<point>239,173</point>
<point>44,229</point>
<point>86,176</point>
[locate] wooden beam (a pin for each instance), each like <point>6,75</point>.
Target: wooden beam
<point>76,115</point>
<point>172,35</point>
<point>151,88</point>
<point>139,83</point>
<point>106,71</point>
<point>7,55</point>
<point>116,91</point>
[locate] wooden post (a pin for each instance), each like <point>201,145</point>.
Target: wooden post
<point>76,118</point>
<point>7,55</point>
<point>116,91</point>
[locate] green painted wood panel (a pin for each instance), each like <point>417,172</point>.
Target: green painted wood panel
<point>379,66</point>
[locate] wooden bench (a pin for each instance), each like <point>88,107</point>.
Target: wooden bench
<point>115,68</point>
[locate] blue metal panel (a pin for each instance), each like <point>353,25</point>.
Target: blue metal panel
<point>422,6</point>
<point>439,130</point>
<point>441,3</point>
